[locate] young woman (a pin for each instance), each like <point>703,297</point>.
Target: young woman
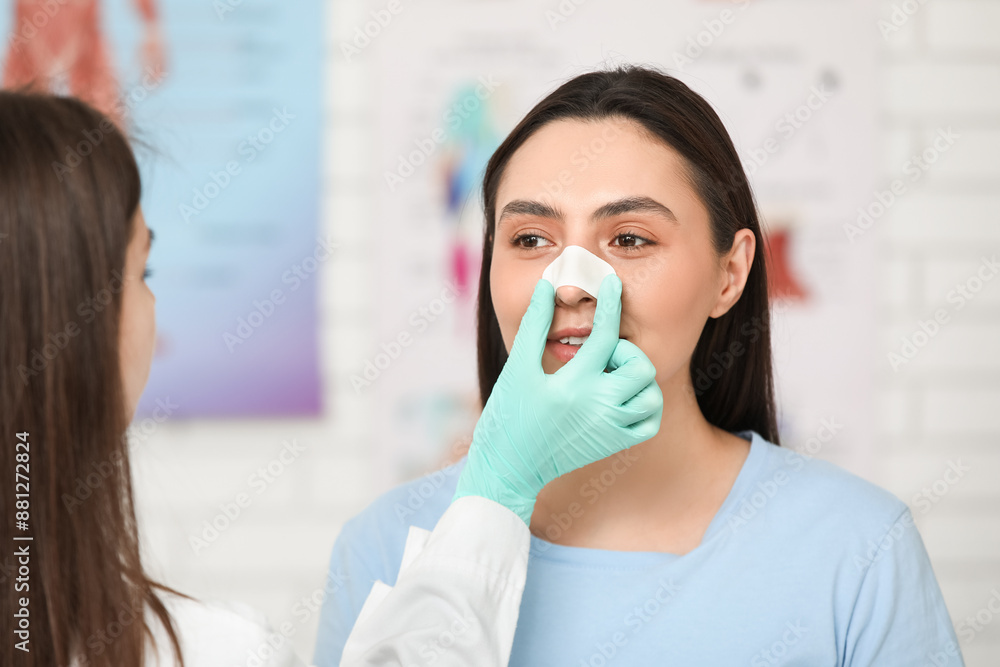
<point>707,543</point>
<point>76,344</point>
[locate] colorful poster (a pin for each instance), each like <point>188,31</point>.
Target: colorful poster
<point>794,103</point>
<point>224,100</point>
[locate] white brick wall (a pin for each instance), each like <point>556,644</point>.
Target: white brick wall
<point>274,555</point>
<point>942,68</point>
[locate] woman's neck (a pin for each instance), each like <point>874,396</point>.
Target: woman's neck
<point>659,495</point>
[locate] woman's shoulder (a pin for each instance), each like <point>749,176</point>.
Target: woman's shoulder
<point>217,634</point>
<point>825,491</point>
<point>419,502</point>
<point>373,540</point>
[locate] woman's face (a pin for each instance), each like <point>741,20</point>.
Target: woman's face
<point>623,196</point>
<point>138,316</point>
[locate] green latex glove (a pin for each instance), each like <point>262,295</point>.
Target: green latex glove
<point>536,427</point>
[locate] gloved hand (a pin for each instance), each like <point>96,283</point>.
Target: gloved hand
<point>536,427</point>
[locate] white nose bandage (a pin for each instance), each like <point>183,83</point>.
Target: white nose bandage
<point>578,267</point>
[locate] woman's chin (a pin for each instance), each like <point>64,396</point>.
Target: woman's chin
<point>550,364</point>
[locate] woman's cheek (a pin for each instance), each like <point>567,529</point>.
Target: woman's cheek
<point>640,279</point>
<point>509,303</point>
<point>655,317</point>
<point>520,307</point>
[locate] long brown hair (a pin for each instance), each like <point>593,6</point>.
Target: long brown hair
<point>734,396</point>
<point>69,194</point>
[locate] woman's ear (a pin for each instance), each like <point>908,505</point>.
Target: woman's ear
<point>735,266</point>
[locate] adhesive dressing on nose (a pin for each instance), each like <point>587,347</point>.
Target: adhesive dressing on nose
<point>578,267</point>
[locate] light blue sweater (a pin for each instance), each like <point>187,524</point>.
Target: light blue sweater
<point>804,564</point>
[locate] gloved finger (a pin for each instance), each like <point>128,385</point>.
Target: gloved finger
<point>597,349</point>
<point>636,421</point>
<point>533,331</point>
<point>631,369</point>
<point>646,403</point>
<point>642,431</point>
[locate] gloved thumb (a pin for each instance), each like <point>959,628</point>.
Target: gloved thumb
<point>532,333</point>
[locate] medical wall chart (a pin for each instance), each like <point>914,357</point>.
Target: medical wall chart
<point>227,96</point>
<point>800,109</point>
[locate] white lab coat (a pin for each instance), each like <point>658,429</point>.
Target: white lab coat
<point>216,634</point>
<point>211,634</point>
<point>455,602</point>
<point>457,595</point>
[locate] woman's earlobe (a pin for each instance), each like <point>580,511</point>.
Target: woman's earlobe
<point>729,300</point>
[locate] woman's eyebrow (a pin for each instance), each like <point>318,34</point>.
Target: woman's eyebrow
<point>149,243</point>
<point>633,205</point>
<point>529,207</point>
<point>638,204</point>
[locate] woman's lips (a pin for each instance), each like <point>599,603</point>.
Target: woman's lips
<point>564,352</point>
<point>561,351</point>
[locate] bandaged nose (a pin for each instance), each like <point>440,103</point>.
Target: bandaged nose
<point>578,267</point>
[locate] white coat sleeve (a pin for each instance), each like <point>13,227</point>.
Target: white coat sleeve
<point>456,597</point>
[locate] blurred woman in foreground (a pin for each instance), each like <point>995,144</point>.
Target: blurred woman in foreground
<point>75,350</point>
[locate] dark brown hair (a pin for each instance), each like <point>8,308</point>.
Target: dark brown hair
<point>734,396</point>
<point>69,194</point>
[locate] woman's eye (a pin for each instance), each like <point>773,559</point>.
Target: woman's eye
<point>517,240</point>
<point>631,242</point>
<point>147,273</point>
<point>634,241</point>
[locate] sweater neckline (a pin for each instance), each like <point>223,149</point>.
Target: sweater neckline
<point>637,560</point>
